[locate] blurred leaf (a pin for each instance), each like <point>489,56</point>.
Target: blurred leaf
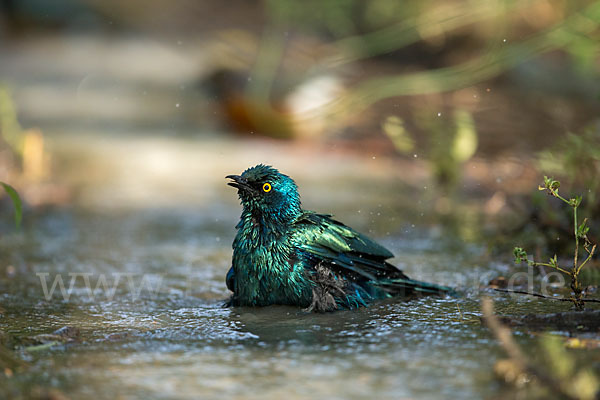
<point>465,140</point>
<point>576,157</point>
<point>582,343</point>
<point>14,196</point>
<point>578,383</point>
<point>393,127</point>
<point>10,130</point>
<point>584,51</point>
<point>560,363</point>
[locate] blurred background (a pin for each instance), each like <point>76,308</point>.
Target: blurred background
<point>112,104</point>
<point>427,124</point>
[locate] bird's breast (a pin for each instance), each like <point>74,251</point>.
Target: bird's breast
<point>268,274</point>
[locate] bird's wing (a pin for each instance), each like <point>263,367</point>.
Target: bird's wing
<point>322,238</point>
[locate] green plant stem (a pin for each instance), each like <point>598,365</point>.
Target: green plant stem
<point>552,186</point>
<point>576,256</point>
<point>590,254</point>
<point>539,264</point>
<point>534,294</point>
<point>574,273</point>
<point>558,196</point>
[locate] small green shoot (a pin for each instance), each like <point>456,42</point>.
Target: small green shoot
<point>14,196</point>
<point>580,231</point>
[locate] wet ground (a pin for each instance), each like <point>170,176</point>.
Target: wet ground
<point>157,224</point>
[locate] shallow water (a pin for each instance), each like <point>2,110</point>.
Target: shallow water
<point>160,331</point>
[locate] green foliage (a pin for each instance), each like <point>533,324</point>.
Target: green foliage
<point>556,371</point>
<point>452,141</point>
<point>14,196</point>
<point>575,381</point>
<point>520,255</point>
<point>359,30</point>
<point>580,235</point>
<point>393,127</point>
<point>577,158</point>
<point>10,130</point>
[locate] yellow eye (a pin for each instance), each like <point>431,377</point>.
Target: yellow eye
<point>267,187</point>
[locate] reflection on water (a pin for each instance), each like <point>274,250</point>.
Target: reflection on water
<point>171,337</point>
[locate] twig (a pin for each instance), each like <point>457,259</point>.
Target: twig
<point>590,254</point>
<point>543,296</point>
<point>459,311</point>
<point>504,336</point>
<point>541,264</point>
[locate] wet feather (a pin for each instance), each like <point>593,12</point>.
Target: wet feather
<point>283,254</point>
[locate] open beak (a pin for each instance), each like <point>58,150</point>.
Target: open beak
<point>239,183</point>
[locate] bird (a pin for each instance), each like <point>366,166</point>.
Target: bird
<point>285,255</point>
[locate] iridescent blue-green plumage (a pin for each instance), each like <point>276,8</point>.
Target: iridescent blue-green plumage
<point>283,254</point>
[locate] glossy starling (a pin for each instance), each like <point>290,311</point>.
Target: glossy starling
<point>285,255</point>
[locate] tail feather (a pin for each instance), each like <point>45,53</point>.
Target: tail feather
<point>408,287</point>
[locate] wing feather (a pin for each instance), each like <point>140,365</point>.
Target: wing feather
<point>322,238</point>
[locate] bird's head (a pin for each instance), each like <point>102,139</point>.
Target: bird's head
<point>267,193</point>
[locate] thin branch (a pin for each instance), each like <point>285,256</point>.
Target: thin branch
<point>576,256</point>
<point>554,193</point>
<point>539,264</point>
<point>543,296</point>
<point>590,254</point>
<point>504,335</point>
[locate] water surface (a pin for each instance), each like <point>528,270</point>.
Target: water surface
<point>161,331</point>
